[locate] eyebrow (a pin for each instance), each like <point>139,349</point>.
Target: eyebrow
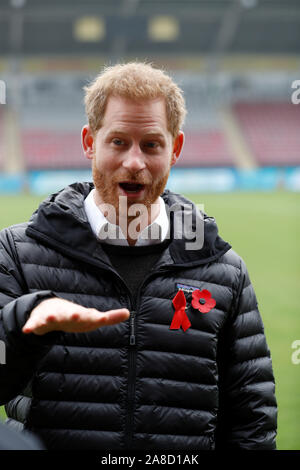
<point>148,134</point>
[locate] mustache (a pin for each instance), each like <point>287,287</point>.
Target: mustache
<point>132,177</point>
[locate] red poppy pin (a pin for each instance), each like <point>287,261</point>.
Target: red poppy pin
<point>202,300</point>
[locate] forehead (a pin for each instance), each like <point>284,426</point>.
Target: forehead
<point>121,111</point>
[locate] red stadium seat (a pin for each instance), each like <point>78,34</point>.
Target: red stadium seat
<point>272,131</point>
<point>53,149</point>
<point>206,149</point>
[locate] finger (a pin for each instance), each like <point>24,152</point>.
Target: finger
<point>111,317</point>
<point>36,329</point>
<point>32,326</point>
<point>93,319</point>
<point>28,327</point>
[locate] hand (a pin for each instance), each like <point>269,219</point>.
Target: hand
<point>60,314</point>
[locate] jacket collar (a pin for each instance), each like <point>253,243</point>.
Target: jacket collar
<point>198,241</point>
<point>61,221</point>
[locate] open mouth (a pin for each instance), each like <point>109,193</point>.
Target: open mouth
<point>131,187</point>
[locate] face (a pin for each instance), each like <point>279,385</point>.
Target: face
<point>132,152</point>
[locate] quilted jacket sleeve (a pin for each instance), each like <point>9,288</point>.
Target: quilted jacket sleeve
<point>20,353</point>
<point>248,408</point>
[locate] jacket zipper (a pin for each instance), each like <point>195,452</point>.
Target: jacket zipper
<point>132,329</point>
<point>129,424</point>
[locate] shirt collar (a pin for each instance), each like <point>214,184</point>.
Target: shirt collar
<point>110,233</point>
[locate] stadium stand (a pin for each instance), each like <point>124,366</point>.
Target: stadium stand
<point>44,149</point>
<point>50,136</point>
<point>248,134</point>
<point>206,149</point>
<point>47,149</point>
<point>51,120</point>
<point>237,84</point>
<point>272,131</point>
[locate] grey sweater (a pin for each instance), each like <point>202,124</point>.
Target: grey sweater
<point>134,262</point>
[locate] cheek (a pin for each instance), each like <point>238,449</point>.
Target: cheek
<point>103,155</point>
<point>161,166</point>
<point>105,162</point>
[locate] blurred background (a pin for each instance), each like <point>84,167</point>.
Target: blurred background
<point>238,63</point>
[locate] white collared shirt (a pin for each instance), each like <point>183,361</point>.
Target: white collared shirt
<point>110,233</point>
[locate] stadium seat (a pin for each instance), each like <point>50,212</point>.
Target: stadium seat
<point>47,149</point>
<point>206,149</point>
<point>271,131</point>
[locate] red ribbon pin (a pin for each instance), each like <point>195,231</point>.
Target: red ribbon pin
<point>180,318</point>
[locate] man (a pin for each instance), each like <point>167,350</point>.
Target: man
<point>119,334</point>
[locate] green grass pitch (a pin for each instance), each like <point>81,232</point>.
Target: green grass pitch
<point>263,228</point>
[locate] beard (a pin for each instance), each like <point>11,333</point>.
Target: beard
<point>108,190</point>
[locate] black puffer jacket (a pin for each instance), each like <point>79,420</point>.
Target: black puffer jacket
<point>211,386</point>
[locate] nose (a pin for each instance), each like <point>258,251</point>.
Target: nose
<point>134,159</point>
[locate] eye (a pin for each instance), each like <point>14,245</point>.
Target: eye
<point>151,145</point>
<point>118,142</point>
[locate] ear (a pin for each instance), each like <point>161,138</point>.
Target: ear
<point>87,140</point>
<point>177,147</point>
